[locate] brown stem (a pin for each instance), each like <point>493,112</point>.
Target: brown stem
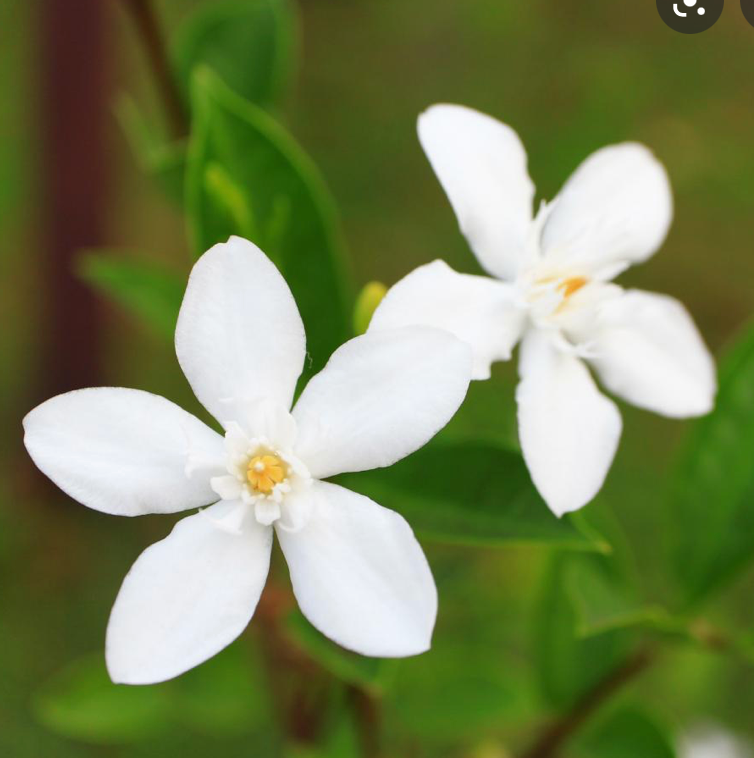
<point>366,712</point>
<point>154,47</point>
<point>74,92</point>
<point>557,734</point>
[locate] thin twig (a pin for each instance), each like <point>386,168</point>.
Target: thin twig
<point>557,734</point>
<point>154,46</point>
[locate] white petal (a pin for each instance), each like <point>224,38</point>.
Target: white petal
<point>360,576</point>
<point>266,511</point>
<point>569,431</point>
<point>187,597</point>
<point>124,452</point>
<point>226,486</point>
<point>239,335</point>
<point>481,165</point>
<point>615,209</point>
<point>380,397</point>
<point>478,310</point>
<point>264,418</point>
<point>649,352</point>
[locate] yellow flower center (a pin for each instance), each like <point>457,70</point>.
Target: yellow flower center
<point>264,472</point>
<point>571,285</point>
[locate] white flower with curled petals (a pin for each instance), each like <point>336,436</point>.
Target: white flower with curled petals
<point>357,571</point>
<point>557,297</point>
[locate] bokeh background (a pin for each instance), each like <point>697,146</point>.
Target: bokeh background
<point>569,77</point>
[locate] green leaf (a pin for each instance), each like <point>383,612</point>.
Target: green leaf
<point>455,690</point>
<point>228,198</point>
<point>163,161</point>
<point>713,494</point>
<point>249,43</point>
<point>346,666</point>
<point>629,733</point>
<point>150,292</point>
<point>492,502</point>
<point>292,214</point>
<point>602,601</point>
<point>81,702</point>
<point>568,664</point>
<point>225,696</point>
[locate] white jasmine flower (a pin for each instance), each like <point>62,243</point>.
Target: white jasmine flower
<point>557,297</point>
<point>357,571</point>
<point>712,742</point>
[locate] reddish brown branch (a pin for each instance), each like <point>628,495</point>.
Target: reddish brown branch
<point>75,96</point>
<point>560,731</point>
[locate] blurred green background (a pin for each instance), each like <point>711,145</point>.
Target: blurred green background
<point>569,77</point>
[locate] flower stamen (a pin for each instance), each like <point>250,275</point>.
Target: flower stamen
<point>571,285</point>
<point>264,472</point>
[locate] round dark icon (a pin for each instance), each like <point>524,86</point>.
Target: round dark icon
<point>694,16</point>
<point>747,7</point>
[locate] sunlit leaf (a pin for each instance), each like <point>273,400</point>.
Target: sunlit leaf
<point>249,43</point>
<point>266,178</point>
<point>469,493</point>
<point>713,496</point>
<point>366,303</point>
<point>148,291</point>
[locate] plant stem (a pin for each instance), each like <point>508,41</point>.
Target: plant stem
<point>559,732</point>
<point>366,712</point>
<point>146,24</point>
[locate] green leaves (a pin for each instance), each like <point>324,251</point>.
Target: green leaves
<point>248,43</point>
<point>162,161</point>
<point>470,493</point>
<point>568,663</point>
<point>81,702</point>
<point>602,600</point>
<point>247,176</point>
<point>629,733</point>
<point>223,697</point>
<point>149,291</point>
<point>713,496</point>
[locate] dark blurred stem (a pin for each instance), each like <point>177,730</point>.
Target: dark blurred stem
<point>366,713</point>
<point>148,28</point>
<point>74,92</point>
<point>555,736</point>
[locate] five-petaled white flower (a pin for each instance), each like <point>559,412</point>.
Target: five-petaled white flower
<point>357,571</point>
<point>557,296</point>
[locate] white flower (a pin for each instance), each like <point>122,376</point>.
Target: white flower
<point>711,742</point>
<point>557,297</point>
<point>357,571</point>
